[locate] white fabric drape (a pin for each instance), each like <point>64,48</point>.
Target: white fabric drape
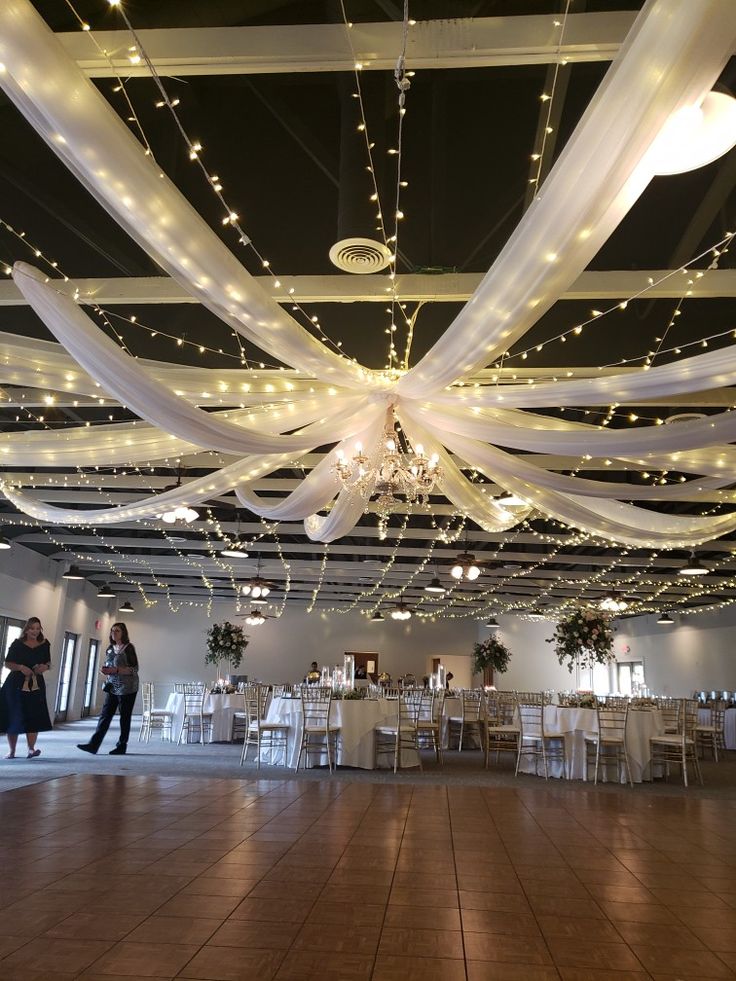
<point>468,498</point>
<point>128,381</point>
<point>613,520</point>
<point>525,431</point>
<point>670,59</point>
<point>715,369</point>
<point>194,492</point>
<point>69,113</point>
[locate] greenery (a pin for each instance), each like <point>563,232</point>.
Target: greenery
<point>226,642</point>
<point>491,654</point>
<point>584,638</point>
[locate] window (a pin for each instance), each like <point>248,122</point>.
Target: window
<point>65,675</point>
<point>89,684</point>
<point>631,677</point>
<point>10,630</point>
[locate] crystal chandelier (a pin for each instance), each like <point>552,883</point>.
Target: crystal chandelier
<point>392,474</point>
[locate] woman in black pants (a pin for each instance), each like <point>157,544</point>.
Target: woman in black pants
<point>121,686</point>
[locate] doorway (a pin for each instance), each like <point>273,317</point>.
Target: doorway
<point>10,630</point>
<point>366,661</point>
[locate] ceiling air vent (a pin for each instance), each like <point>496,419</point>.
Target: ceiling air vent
<point>360,255</point>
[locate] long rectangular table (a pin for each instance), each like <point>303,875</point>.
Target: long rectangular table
<point>357,720</point>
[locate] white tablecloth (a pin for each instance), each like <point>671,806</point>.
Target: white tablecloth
<point>222,708</point>
<point>574,723</point>
<point>356,719</point>
<point>729,725</point>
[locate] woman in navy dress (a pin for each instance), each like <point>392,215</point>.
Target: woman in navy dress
<point>23,695</point>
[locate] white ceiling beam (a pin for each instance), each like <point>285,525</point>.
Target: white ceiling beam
<point>461,42</point>
<point>613,284</point>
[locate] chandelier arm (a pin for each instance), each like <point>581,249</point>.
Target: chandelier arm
<point>195,492</point>
<point>66,109</point>
<point>612,520</point>
<point>124,377</point>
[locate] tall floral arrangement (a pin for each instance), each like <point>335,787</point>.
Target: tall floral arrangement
<point>585,638</point>
<point>225,642</point>
<point>491,653</point>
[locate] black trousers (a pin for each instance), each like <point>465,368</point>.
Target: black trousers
<point>112,703</point>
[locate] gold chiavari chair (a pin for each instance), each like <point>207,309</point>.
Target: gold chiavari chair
<point>402,734</point>
<point>679,748</point>
<point>608,744</point>
<point>153,718</point>
<point>535,741</point>
<point>471,718</point>
<point>502,730</point>
<point>260,733</point>
<point>318,733</point>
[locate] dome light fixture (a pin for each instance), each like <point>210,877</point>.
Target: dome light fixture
<point>693,567</point>
<point>377,617</point>
<point>126,608</point>
<point>665,620</point>
<point>493,624</point>
<point>4,542</point>
<point>105,592</point>
<point>235,549</point>
<point>435,586</point>
<point>465,567</point>
<point>73,572</point>
<point>400,612</point>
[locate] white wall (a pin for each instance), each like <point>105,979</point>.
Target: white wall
<point>171,646</point>
<point>698,652</point>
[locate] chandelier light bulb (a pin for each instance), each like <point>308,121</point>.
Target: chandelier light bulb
<point>245,589</point>
<point>456,572</point>
<point>255,591</point>
<point>472,573</point>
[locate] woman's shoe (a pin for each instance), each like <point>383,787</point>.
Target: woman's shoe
<point>33,753</point>
<point>86,748</point>
<point>118,751</point>
<point>10,756</point>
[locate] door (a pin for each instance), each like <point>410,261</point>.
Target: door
<point>89,683</point>
<point>63,690</point>
<point>368,662</point>
<point>631,677</point>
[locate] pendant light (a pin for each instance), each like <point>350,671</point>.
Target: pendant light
<point>377,617</point>
<point>493,624</point>
<point>73,573</point>
<point>236,549</point>
<point>693,567</point>
<point>126,608</point>
<point>435,585</point>
<point>4,542</point>
<point>105,592</point>
<point>665,620</point>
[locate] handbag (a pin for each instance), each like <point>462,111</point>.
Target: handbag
<point>108,688</point>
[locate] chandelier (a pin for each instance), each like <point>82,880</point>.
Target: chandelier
<point>181,513</point>
<point>394,473</point>
<point>401,612</point>
<point>613,604</point>
<point>465,567</point>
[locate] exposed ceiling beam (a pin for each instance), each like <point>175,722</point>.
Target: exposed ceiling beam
<point>462,42</point>
<point>614,284</point>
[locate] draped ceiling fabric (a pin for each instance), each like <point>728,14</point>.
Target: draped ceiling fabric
<point>671,58</point>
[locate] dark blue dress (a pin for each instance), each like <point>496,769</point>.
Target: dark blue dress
<point>24,711</point>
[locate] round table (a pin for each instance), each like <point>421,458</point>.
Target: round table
<point>222,707</point>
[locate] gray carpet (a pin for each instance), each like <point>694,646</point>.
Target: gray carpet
<point>60,758</point>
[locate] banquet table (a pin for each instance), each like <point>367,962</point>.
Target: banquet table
<point>574,723</point>
<point>729,725</point>
<point>356,718</point>
<point>222,708</point>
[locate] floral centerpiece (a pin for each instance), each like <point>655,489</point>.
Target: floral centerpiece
<point>584,638</point>
<point>491,653</point>
<point>226,642</point>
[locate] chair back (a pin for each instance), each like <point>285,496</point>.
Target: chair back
<point>280,690</point>
<point>194,702</point>
<point>612,723</point>
<point>617,702</point>
<point>316,703</point>
<point>410,706</point>
<point>390,692</point>
<point>147,695</point>
<point>473,704</point>
<point>531,718</point>
<point>670,709</point>
<point>688,717</point>
<point>531,697</point>
<point>564,699</point>
<point>500,708</point>
<point>718,715</point>
<point>254,703</point>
